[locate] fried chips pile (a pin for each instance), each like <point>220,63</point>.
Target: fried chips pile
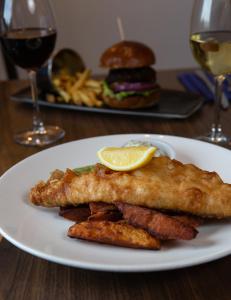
<point>128,225</point>
<point>80,89</point>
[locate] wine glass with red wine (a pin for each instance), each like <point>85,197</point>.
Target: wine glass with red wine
<point>28,36</point>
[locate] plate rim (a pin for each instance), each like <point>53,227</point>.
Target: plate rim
<point>117,268</point>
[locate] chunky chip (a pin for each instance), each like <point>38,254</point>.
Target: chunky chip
<point>119,234</point>
<point>106,216</point>
<point>98,207</point>
<point>76,214</point>
<point>190,220</point>
<point>156,223</point>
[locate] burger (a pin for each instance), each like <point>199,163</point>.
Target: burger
<point>131,82</point>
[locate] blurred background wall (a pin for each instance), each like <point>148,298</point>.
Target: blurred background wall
<point>89,27</point>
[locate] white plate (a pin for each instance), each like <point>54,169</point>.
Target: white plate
<point>41,232</point>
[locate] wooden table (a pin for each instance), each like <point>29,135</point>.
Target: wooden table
<point>23,276</point>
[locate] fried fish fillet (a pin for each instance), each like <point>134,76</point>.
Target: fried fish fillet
<point>120,234</point>
<point>161,184</point>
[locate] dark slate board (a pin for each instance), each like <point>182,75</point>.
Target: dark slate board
<point>172,105</point>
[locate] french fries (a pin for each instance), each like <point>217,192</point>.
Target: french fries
<point>80,89</point>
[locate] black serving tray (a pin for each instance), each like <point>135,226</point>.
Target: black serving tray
<point>172,105</point>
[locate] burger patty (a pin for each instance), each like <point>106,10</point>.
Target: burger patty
<point>144,74</point>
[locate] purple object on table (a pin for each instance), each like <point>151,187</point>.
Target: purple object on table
<point>194,83</point>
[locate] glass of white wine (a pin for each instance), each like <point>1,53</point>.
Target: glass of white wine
<point>211,46</point>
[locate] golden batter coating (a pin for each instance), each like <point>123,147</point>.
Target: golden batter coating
<point>161,184</point>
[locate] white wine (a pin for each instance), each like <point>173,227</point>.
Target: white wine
<point>212,50</point>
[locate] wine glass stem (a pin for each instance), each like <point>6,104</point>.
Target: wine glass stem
<point>38,125</point>
<point>216,126</point>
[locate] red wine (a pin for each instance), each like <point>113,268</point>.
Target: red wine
<point>29,48</point>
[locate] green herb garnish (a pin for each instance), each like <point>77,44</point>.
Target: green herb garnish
<point>86,169</point>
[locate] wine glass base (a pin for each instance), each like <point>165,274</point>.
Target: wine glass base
<point>48,135</point>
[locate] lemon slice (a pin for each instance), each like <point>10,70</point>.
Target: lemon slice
<point>126,158</point>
